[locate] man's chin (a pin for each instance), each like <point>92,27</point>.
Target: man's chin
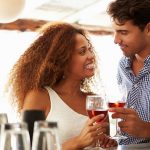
<point>128,55</point>
<point>125,54</point>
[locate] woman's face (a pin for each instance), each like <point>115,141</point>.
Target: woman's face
<point>82,64</point>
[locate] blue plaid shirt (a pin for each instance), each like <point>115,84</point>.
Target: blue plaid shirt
<point>138,93</point>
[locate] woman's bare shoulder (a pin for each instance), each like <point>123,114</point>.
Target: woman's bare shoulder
<point>36,99</point>
<point>38,92</point>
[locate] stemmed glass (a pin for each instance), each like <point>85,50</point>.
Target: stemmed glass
<point>96,105</point>
<point>117,100</point>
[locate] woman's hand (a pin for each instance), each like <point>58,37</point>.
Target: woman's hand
<point>107,142</point>
<point>91,133</point>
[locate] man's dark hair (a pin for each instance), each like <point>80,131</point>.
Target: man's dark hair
<point>138,11</point>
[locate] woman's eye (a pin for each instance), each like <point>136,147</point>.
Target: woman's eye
<point>82,51</point>
<point>90,49</point>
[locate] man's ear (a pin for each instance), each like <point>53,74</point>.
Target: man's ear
<point>148,28</point>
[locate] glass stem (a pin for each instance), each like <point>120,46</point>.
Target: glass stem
<point>98,143</point>
<point>117,128</point>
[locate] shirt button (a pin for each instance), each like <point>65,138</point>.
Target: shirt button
<point>135,86</point>
<point>132,107</point>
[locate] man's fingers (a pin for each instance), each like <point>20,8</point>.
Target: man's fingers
<point>122,110</point>
<point>119,115</point>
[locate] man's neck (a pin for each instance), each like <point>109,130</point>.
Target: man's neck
<point>138,64</point>
<point>139,59</point>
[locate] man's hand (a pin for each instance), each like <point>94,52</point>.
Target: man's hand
<point>131,123</point>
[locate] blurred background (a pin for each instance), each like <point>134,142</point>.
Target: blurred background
<point>17,32</point>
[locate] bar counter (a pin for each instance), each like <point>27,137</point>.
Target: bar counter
<point>143,146</point>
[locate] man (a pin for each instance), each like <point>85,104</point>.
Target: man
<point>131,23</point>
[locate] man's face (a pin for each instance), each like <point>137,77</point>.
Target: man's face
<point>130,38</point>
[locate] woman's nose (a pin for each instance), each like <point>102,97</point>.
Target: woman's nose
<point>91,55</point>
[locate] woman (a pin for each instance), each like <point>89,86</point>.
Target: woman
<point>55,74</point>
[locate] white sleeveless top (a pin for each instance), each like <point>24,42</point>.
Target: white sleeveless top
<point>70,123</point>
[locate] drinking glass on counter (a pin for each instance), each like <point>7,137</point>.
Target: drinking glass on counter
<point>45,136</point>
<point>117,100</point>
<point>96,105</point>
<point>3,120</point>
<point>30,116</point>
<point>15,136</point>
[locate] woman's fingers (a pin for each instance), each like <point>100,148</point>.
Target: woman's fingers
<point>94,130</point>
<point>95,119</point>
<point>107,142</point>
<point>111,143</point>
<point>98,128</point>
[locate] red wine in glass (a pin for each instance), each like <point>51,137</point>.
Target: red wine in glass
<point>92,113</point>
<point>96,105</point>
<point>118,100</point>
<point>116,104</point>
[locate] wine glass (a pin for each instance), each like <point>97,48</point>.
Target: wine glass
<point>15,136</point>
<point>118,99</point>
<point>96,105</point>
<point>45,136</point>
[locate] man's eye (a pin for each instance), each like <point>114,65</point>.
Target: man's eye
<point>124,32</point>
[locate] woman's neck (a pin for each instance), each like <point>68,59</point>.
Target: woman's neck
<point>70,87</point>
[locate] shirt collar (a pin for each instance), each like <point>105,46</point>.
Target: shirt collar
<point>128,62</point>
<point>147,61</point>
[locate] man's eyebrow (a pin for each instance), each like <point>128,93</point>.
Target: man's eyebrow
<point>121,30</point>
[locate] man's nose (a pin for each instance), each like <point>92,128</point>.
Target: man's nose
<point>117,39</point>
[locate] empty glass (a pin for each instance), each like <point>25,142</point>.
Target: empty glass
<point>30,116</point>
<point>15,136</point>
<point>45,136</point>
<point>3,119</point>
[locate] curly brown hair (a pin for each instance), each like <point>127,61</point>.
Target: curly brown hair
<point>138,11</point>
<point>44,63</point>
